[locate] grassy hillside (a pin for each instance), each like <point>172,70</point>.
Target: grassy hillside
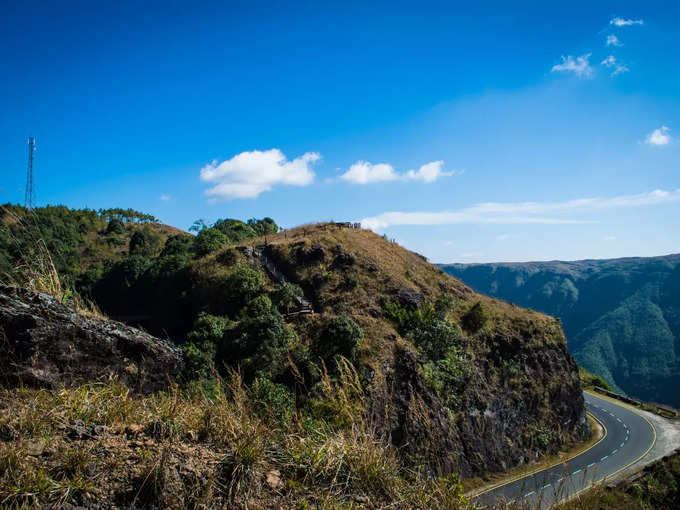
<point>621,317</point>
<point>443,380</point>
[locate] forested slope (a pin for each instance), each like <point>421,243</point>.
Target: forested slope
<point>621,316</point>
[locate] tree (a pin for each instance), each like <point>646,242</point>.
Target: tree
<point>341,336</point>
<point>115,226</point>
<point>209,240</point>
<point>244,284</point>
<point>197,226</point>
<point>263,226</point>
<point>144,242</point>
<point>260,341</point>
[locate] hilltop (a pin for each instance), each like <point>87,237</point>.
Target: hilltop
<point>351,339</point>
<point>620,316</point>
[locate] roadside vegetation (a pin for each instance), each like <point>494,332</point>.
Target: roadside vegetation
<point>237,445</point>
<point>363,404</point>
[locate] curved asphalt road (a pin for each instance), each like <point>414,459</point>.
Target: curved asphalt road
<point>628,437</point>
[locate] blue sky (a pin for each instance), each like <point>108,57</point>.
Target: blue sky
<point>490,133</point>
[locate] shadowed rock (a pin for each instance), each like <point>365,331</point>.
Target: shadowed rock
<point>44,343</point>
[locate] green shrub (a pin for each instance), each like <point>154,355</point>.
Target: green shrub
<point>209,240</point>
<point>259,342</point>
<point>286,296</point>
<point>341,336</point>
<point>208,331</point>
<point>434,340</point>
<point>447,376</point>
<point>198,364</point>
<point>178,245</point>
<point>143,243</point>
<point>115,226</point>
<point>263,226</point>
<point>275,399</point>
<point>244,284</point>
<point>406,320</point>
<point>475,318</point>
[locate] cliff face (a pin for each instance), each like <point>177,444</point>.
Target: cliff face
<point>46,344</point>
<point>499,425</point>
<point>465,392</point>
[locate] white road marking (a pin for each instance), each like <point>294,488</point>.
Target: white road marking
<point>577,471</point>
<point>604,458</point>
<point>591,465</point>
<point>621,445</point>
<point>615,451</point>
<point>529,494</point>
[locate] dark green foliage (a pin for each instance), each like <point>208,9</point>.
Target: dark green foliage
<point>286,296</point>
<point>234,230</point>
<point>445,369</point>
<point>197,362</point>
<point>143,243</point>
<point>446,376</point>
<point>243,284</point>
<point>260,340</point>
<point>341,336</point>
<point>272,399</point>
<point>407,320</point>
<point>178,245</point>
<point>61,230</point>
<point>126,215</point>
<point>621,317</point>
<point>659,488</point>
<point>474,319</point>
<point>263,226</point>
<point>208,331</point>
<point>115,226</point>
<point>209,240</point>
<point>436,339</point>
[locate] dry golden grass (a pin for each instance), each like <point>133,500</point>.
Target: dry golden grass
<point>185,449</point>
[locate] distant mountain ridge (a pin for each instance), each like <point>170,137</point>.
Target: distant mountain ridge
<point>621,316</point>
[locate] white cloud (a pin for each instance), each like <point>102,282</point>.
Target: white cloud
<point>363,172</point>
<point>448,243</point>
<point>519,212</point>
<point>659,137</point>
<point>580,66</point>
<point>609,238</point>
<point>249,174</point>
<point>503,237</point>
<point>612,40</point>
<point>621,22</point>
<point>430,172</point>
<point>165,197</point>
<point>611,62</point>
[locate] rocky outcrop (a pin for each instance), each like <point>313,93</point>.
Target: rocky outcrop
<point>44,343</point>
<point>498,426</point>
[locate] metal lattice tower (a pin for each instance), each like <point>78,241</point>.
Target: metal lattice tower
<point>29,199</point>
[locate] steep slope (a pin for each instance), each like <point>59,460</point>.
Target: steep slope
<point>458,382</point>
<point>621,316</point>
<point>469,392</point>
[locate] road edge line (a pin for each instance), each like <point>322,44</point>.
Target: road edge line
<point>532,473</point>
<point>632,409</point>
<point>651,425</point>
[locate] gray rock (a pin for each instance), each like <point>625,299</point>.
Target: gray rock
<point>44,343</point>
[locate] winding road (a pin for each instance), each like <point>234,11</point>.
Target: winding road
<point>627,438</point>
